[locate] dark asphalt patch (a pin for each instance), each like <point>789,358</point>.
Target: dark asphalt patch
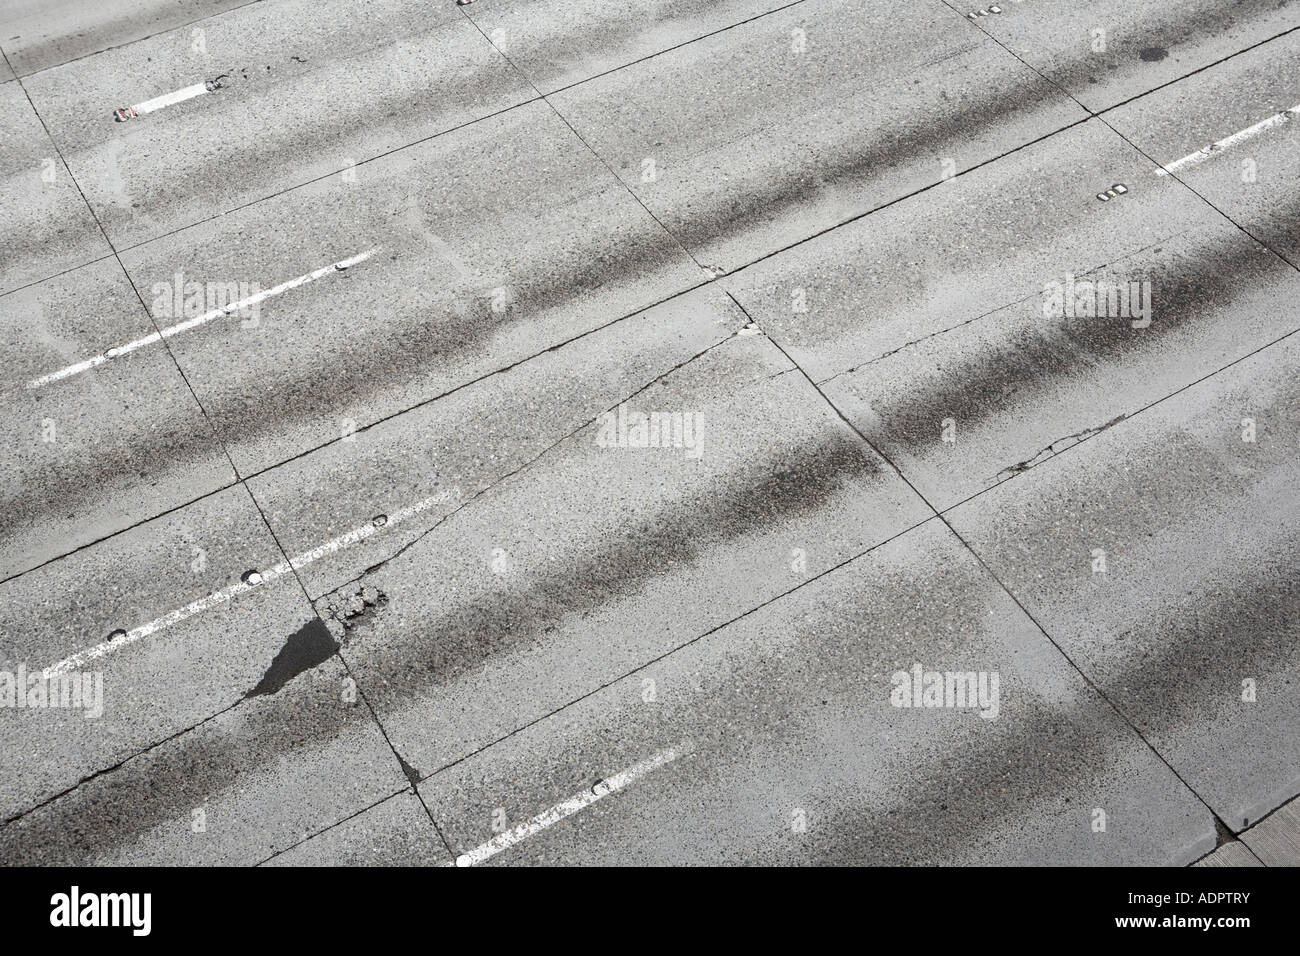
<point>308,647</point>
<point>412,774</point>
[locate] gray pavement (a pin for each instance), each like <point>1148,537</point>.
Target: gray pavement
<point>39,34</point>
<point>812,432</point>
<point>95,454</point>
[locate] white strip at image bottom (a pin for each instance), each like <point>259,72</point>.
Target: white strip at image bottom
<point>567,808</point>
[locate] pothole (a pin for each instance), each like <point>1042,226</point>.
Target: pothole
<point>352,609</point>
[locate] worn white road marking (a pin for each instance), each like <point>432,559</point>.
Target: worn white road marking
<point>225,594</point>
<point>1201,155</point>
<point>198,320</point>
<point>568,808</point>
<point>171,99</point>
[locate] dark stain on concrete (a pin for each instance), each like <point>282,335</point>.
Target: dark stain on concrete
<point>1032,362</point>
<point>798,483</point>
<point>768,198</point>
<point>309,646</point>
<point>412,774</point>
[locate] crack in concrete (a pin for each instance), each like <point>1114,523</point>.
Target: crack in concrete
<point>1053,450</point>
<point>503,478</point>
<point>1083,273</point>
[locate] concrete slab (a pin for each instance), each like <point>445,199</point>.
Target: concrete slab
<point>1253,179</point>
<point>397,832</point>
<point>310,88</point>
<point>1276,838</point>
<point>251,782</point>
<point>47,227</point>
<point>475,267</point>
<point>407,288</point>
<point>789,750</point>
<point>988,239</point>
<point>154,685</point>
<point>95,453</point>
<point>1231,854</point>
<point>962,411</point>
<point>440,456</point>
<point>756,138</point>
<point>1108,51</point>
<point>1143,553</point>
<point>557,43</point>
<point>601,556</point>
<point>39,34</point>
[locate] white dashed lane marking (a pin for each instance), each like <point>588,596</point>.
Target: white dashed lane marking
<point>167,99</point>
<point>196,321</point>
<point>114,644</point>
<point>575,803</point>
<point>1214,149</point>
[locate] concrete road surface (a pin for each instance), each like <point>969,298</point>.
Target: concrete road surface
<point>806,432</point>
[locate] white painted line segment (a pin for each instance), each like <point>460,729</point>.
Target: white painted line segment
<point>196,321</point>
<point>1201,155</point>
<point>346,540</point>
<point>577,802</point>
<point>170,99</point>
